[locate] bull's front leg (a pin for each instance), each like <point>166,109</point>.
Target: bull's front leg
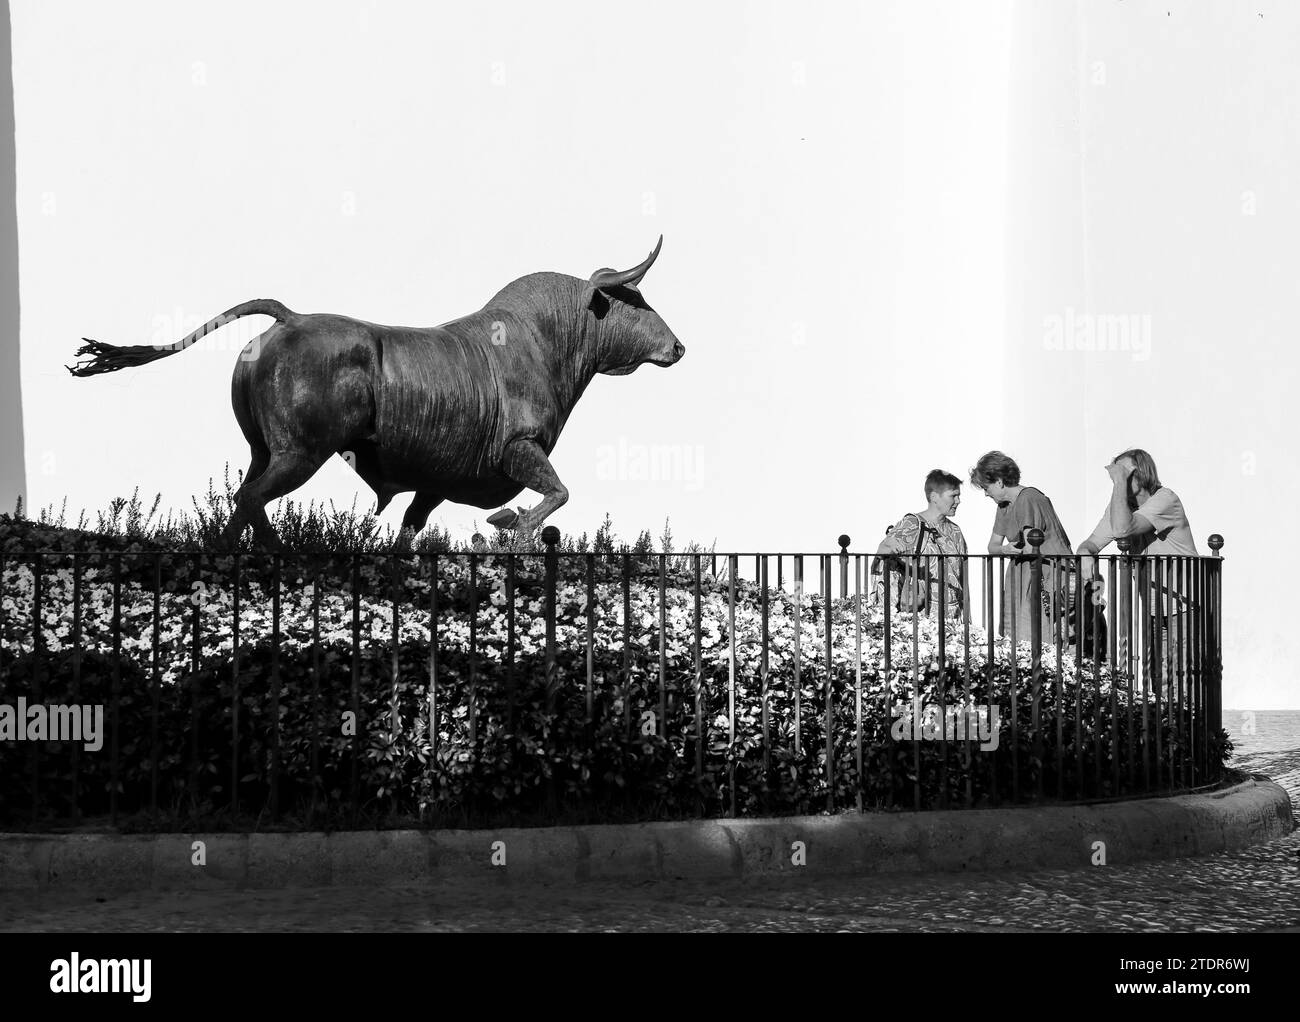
<point>527,464</point>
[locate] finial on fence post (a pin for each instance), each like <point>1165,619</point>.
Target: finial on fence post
<point>1035,537</point>
<point>1125,544</point>
<point>550,536</point>
<point>844,566</point>
<point>1216,543</point>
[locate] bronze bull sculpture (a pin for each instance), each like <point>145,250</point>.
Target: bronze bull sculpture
<point>468,411</point>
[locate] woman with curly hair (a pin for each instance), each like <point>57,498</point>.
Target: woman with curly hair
<point>1021,509</point>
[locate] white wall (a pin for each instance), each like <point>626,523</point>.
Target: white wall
<point>1154,165</point>
<point>13,477</point>
<point>820,172</point>
<point>868,211</point>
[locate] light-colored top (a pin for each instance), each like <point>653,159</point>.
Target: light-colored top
<point>1165,512</point>
<point>1032,509</point>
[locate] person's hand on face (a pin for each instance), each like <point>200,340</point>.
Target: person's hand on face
<point>1119,471</point>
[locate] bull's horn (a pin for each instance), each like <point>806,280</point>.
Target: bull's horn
<point>627,278</point>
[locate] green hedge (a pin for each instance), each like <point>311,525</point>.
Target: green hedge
<point>535,758</point>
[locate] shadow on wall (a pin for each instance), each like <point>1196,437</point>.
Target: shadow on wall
<point>12,476</point>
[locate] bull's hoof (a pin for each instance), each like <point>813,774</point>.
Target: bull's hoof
<point>271,545</point>
<point>503,519</point>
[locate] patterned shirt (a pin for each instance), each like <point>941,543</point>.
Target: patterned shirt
<point>946,538</point>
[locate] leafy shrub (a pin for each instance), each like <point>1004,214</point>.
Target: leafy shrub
<point>510,741</point>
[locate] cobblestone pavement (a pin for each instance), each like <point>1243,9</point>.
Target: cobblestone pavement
<point>1254,889</point>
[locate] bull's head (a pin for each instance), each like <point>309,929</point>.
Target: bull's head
<point>631,333</point>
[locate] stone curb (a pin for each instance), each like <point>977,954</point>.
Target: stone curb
<point>1063,837</point>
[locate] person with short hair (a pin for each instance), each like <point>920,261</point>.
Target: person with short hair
<point>919,538</point>
<point>1020,510</point>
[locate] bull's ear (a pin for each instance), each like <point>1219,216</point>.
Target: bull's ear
<point>595,300</point>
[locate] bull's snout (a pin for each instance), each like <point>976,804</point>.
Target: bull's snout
<point>679,349</point>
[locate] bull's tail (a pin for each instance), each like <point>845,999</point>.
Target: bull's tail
<point>108,358</point>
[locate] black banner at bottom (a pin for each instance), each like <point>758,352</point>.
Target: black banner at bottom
<point>921,974</point>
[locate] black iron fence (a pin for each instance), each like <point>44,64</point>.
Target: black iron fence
<point>468,689</point>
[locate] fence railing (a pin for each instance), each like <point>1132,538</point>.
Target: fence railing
<point>463,688</point>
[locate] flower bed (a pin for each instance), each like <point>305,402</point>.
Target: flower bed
<point>504,745</point>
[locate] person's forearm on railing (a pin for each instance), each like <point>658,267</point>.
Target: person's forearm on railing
<point>1088,550</point>
<point>1002,547</point>
<point>1121,515</point>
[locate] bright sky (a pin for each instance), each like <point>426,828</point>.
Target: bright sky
<point>859,253</point>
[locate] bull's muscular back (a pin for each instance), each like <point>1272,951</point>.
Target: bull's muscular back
<point>448,399</point>
<point>429,409</point>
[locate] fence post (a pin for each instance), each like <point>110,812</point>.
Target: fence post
<point>473,654</point>
<point>315,689</point>
<point>76,677</point>
<point>663,646</point>
<point>394,717</point>
<point>732,567</point>
<point>550,536</point>
<point>114,744</point>
<point>830,690</point>
<point>591,649</point>
<point>699,696</point>
<point>844,566</point>
<point>1216,634</point>
<point>511,695</point>
<point>155,685</point>
<point>196,655</point>
<point>765,640</point>
<point>38,643</point>
<point>275,689</point>
<point>234,689</point>
<point>1124,642</point>
<point>887,673</point>
<point>354,784</point>
<point>857,675</point>
<point>1035,538</point>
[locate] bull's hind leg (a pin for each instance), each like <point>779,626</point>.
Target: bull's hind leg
<point>261,457</point>
<point>285,472</point>
<point>417,515</point>
<point>240,518</point>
